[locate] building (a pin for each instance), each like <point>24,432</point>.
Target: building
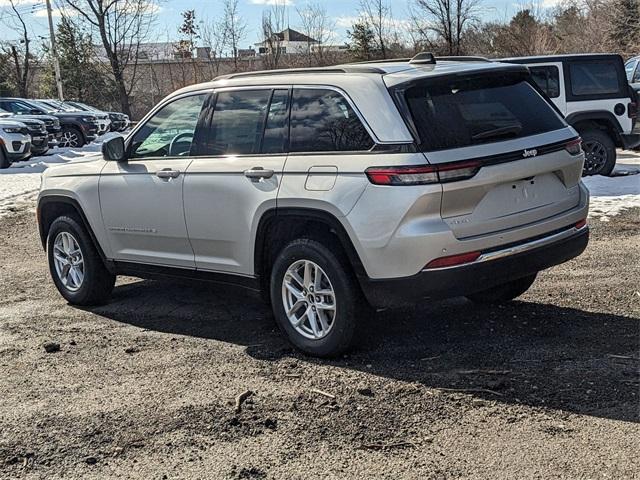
<point>288,41</point>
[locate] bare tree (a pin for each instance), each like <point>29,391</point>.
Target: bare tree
<point>447,19</point>
<point>273,23</point>
<point>19,53</point>
<point>377,14</point>
<point>214,39</point>
<point>316,25</point>
<point>234,28</point>
<point>122,26</point>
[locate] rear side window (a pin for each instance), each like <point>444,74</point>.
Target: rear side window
<point>629,68</point>
<point>548,79</point>
<point>238,121</point>
<point>323,121</point>
<point>594,78</point>
<point>462,112</point>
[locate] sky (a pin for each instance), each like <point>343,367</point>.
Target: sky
<point>168,18</point>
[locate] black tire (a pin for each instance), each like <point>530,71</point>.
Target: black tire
<point>348,297</point>
<point>600,153</point>
<point>4,161</point>
<point>98,282</point>
<point>505,292</point>
<point>72,132</point>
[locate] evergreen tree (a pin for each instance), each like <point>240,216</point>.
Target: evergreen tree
<point>363,43</point>
<point>625,31</point>
<point>83,77</point>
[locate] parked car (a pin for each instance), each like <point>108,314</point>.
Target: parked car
<point>52,124</point>
<point>632,69</point>
<point>119,121</point>
<point>387,183</point>
<point>78,128</point>
<point>37,130</point>
<point>104,124</point>
<point>593,93</point>
<point>15,142</point>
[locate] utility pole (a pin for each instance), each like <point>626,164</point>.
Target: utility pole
<point>54,53</point>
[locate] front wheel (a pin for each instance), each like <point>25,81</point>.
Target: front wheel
<point>599,153</point>
<point>315,298</point>
<point>505,292</point>
<point>4,161</point>
<point>71,137</point>
<point>75,265</point>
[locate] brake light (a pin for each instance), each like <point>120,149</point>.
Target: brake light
<point>422,174</point>
<point>632,110</point>
<point>453,260</point>
<point>574,147</point>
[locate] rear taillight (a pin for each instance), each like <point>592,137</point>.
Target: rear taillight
<point>632,110</point>
<point>423,174</point>
<point>453,260</point>
<point>574,147</point>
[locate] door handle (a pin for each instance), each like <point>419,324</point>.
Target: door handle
<point>257,173</point>
<point>167,173</point>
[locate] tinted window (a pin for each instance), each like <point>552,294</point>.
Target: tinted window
<point>276,132</point>
<point>548,79</point>
<point>594,78</point>
<point>238,121</point>
<point>17,108</point>
<point>170,132</point>
<point>459,113</point>
<point>323,121</point>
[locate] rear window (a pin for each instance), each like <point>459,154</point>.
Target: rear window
<point>594,78</point>
<point>462,112</point>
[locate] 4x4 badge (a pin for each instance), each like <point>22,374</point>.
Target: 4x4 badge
<point>529,153</point>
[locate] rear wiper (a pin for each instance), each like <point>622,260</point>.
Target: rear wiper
<point>497,132</point>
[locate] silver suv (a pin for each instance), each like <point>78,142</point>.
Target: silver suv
<point>329,189</point>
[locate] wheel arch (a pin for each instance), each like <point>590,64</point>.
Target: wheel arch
<point>51,207</point>
<point>274,231</point>
<point>600,119</point>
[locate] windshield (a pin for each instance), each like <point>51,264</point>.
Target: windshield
<point>41,106</point>
<point>454,113</point>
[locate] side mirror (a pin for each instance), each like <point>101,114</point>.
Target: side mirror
<point>113,150</point>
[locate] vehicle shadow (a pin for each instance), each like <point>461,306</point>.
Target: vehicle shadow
<point>527,353</point>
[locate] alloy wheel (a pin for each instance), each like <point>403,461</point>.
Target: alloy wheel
<point>309,299</point>
<point>68,261</point>
<point>595,157</point>
<point>70,139</point>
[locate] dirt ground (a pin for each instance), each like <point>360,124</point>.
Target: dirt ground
<point>145,387</point>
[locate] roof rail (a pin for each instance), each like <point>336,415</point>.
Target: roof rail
<point>463,58</point>
<point>423,58</point>
<point>289,71</point>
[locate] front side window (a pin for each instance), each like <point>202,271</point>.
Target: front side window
<point>238,122</point>
<point>594,78</point>
<point>548,79</point>
<point>454,113</point>
<point>323,121</point>
<point>170,132</point>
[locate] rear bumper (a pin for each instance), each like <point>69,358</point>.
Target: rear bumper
<point>494,267</point>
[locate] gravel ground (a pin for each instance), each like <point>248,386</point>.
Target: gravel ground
<point>145,387</point>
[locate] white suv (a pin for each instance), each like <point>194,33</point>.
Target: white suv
<point>592,92</point>
<point>327,189</point>
<point>15,142</point>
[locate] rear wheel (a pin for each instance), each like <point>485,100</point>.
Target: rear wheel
<point>599,153</point>
<point>315,298</point>
<point>75,265</point>
<point>71,137</point>
<point>505,292</point>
